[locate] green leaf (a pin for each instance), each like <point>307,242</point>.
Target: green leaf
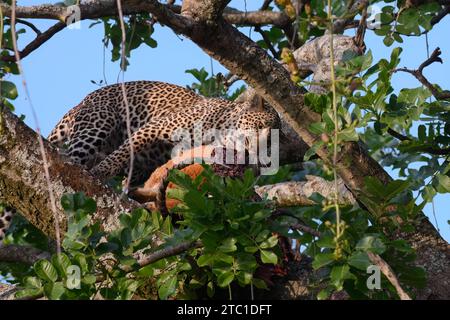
<point>326,242</point>
<point>388,41</point>
<point>372,244</point>
<point>428,193</point>
<point>324,294</point>
<point>8,90</point>
<point>168,287</point>
<point>225,279</point>
<point>262,235</point>
<point>147,271</point>
<point>268,257</point>
<point>244,277</point>
<point>251,249</point>
<point>45,270</point>
<point>259,283</point>
<point>89,279</point>
<point>261,215</point>
<point>444,183</point>
<point>54,291</point>
<point>269,243</point>
<point>29,293</point>
<point>205,260</point>
<point>210,289</point>
<point>322,259</point>
<point>359,260</point>
<point>413,276</point>
<point>339,274</point>
<point>61,263</point>
<point>228,245</point>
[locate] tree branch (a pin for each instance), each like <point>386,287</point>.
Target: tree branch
<point>418,74</point>
<point>297,193</point>
<point>104,8</point>
<point>23,186</point>
<point>168,252</point>
<point>37,42</point>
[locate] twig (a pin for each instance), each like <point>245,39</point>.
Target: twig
<point>389,273</point>
<point>30,25</point>
<point>124,92</point>
<point>361,31</point>
<point>267,41</point>
<point>37,42</point>
<point>418,74</point>
<point>38,130</point>
<point>265,5</point>
<point>304,228</point>
<point>427,149</point>
<point>229,80</point>
<point>168,252</point>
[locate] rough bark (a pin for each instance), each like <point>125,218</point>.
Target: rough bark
<point>23,185</point>
<point>22,254</point>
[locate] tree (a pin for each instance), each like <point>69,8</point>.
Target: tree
<point>349,117</point>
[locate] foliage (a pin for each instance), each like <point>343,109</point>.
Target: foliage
<point>343,260</point>
<point>138,31</point>
<point>407,130</point>
<point>235,242</point>
<point>212,86</point>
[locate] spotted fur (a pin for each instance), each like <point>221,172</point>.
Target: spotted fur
<point>93,134</point>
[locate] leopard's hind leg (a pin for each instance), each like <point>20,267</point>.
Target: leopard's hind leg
<point>151,146</point>
<point>96,132</point>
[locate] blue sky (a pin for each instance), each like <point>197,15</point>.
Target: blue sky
<point>59,73</point>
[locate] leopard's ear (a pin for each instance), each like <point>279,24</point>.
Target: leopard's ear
<point>254,101</point>
<point>257,103</point>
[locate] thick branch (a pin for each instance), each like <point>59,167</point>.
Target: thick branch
<point>23,186</point>
<point>22,254</point>
<point>418,74</point>
<point>104,8</point>
<point>297,193</point>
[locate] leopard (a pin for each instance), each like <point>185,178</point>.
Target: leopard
<point>99,132</point>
